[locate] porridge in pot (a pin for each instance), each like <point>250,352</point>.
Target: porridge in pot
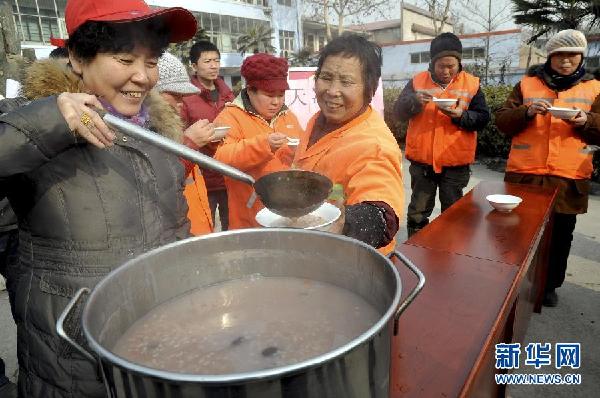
<point>247,325</point>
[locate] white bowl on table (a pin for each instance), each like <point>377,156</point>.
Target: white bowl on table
<point>220,133</point>
<point>504,203</point>
<point>445,103</point>
<point>563,113</point>
<point>327,212</point>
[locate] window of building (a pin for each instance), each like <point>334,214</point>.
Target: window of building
<point>309,43</point>
<point>264,3</point>
<point>592,62</point>
<point>286,42</point>
<point>287,3</point>
<point>420,57</point>
<point>321,43</point>
<point>224,30</point>
<point>38,20</point>
<point>473,52</point>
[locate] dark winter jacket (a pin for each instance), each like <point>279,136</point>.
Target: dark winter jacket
<point>82,212</point>
<point>8,219</point>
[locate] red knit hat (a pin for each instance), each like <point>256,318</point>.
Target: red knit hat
<point>265,72</point>
<point>180,22</point>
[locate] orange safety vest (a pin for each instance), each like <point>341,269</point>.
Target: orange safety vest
<point>198,206</point>
<point>246,147</point>
<point>432,138</point>
<point>550,146</point>
<point>363,156</point>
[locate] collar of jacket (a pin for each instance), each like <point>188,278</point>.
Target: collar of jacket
<point>242,101</point>
<point>50,77</point>
<point>538,70</point>
<point>220,86</point>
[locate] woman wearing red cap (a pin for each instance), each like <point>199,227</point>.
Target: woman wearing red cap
<point>260,126</point>
<point>88,198</point>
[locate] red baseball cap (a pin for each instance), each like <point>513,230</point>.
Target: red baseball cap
<point>181,22</point>
<point>58,42</point>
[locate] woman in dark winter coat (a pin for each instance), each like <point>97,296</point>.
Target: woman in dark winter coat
<point>552,150</point>
<point>88,198</point>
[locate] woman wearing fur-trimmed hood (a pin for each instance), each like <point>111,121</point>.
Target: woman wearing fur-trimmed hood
<point>88,198</point>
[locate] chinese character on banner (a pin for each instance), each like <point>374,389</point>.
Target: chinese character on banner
<point>538,354</point>
<point>507,355</point>
<point>301,100</point>
<point>568,355</point>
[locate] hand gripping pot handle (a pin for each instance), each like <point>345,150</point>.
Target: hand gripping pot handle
<point>60,329</point>
<point>413,293</point>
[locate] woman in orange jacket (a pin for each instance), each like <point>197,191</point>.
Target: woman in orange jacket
<point>173,84</point>
<point>350,143</point>
<point>260,126</point>
<point>551,151</point>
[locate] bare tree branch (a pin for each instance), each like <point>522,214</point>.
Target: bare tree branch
<point>440,11</point>
<point>342,10</point>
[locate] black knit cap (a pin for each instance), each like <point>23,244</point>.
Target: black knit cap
<point>445,45</point>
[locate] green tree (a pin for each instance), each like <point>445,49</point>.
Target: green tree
<point>545,16</point>
<point>257,39</point>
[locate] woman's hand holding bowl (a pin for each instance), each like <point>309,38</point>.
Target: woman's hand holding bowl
<point>201,133</point>
<point>579,120</point>
<point>276,140</point>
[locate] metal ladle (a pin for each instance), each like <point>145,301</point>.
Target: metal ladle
<point>289,193</point>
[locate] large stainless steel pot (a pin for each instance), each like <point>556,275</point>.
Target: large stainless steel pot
<point>358,369</point>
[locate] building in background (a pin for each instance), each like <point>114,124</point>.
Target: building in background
<point>38,20</point>
<point>414,24</point>
<point>509,57</point>
<point>223,20</point>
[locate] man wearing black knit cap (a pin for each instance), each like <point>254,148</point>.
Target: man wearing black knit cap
<point>444,107</point>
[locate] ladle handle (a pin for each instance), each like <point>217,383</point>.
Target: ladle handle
<point>60,329</point>
<point>413,293</point>
<point>176,148</point>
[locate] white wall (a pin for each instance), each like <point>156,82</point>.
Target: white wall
<point>223,7</point>
<point>285,18</point>
<point>410,18</point>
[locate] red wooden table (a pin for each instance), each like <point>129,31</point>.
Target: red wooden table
<point>485,272</point>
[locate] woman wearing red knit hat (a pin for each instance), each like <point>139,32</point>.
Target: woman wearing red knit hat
<point>260,126</point>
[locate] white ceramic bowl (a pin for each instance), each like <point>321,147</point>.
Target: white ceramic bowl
<point>220,133</point>
<point>444,103</point>
<point>293,141</point>
<point>563,113</point>
<point>327,212</point>
<point>503,203</point>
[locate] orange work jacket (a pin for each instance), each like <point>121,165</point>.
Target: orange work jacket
<point>550,146</point>
<point>363,156</point>
<point>198,207</point>
<point>432,138</point>
<point>246,148</point>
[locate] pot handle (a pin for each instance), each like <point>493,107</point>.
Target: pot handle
<point>61,321</point>
<point>416,290</point>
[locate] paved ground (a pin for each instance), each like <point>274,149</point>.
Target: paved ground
<point>576,319</point>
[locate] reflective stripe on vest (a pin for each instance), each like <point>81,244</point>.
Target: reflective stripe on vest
<point>550,146</point>
<point>432,138</point>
